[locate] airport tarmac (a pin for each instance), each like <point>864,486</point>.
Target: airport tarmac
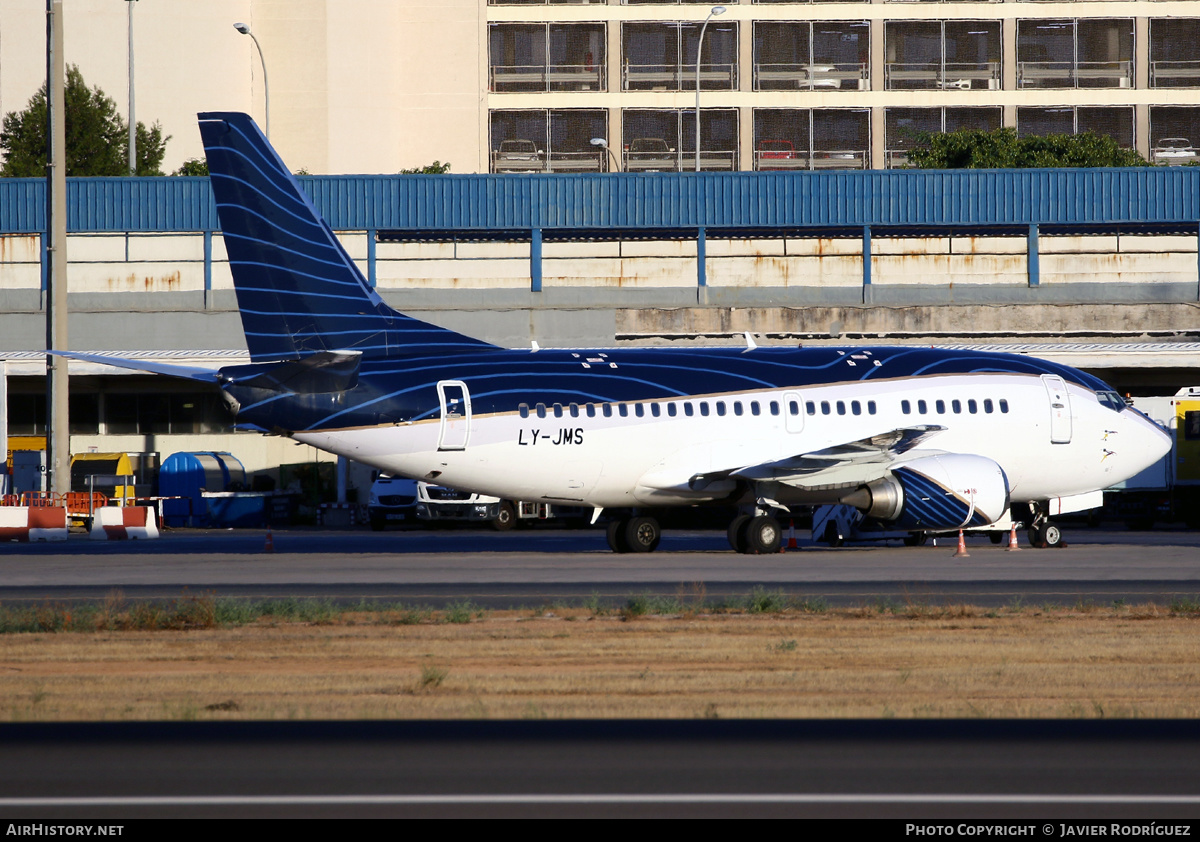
<point>526,567</point>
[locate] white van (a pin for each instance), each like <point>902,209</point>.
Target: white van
<point>396,500</point>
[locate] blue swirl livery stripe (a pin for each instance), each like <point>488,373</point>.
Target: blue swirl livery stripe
<point>298,291</point>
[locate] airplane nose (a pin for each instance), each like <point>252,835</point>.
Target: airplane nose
<point>1153,441</point>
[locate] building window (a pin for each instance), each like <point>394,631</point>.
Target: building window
<point>665,141</point>
<point>526,57</point>
<point>908,128</point>
<point>1173,62</point>
<point>662,56</point>
<point>812,139</point>
<point>1115,122</point>
<point>1069,53</point>
<point>808,56</point>
<point>952,55</point>
<point>540,140</point>
<point>1174,133</point>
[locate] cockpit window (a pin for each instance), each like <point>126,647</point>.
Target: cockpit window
<point>1112,400</point>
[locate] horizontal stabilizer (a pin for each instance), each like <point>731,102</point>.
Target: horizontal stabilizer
<point>186,372</point>
<point>331,371</point>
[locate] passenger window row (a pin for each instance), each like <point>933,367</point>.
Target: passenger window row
<point>656,409</point>
<point>956,406</point>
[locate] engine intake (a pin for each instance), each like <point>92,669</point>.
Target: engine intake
<point>947,491</point>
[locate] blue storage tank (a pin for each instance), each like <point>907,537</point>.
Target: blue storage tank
<point>188,475</point>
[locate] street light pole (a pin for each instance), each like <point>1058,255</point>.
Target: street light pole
<point>245,30</point>
<point>716,10</point>
<point>132,110</point>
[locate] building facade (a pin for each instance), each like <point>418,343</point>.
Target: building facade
<point>520,86</point>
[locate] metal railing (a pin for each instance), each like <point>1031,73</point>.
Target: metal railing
<point>950,76</point>
<point>1175,74</point>
<point>552,162</point>
<point>719,160</point>
<point>676,77</point>
<point>812,77</point>
<point>547,77</point>
<point>1069,74</point>
<point>817,159</point>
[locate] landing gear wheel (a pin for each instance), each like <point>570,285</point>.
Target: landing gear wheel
<point>616,535</point>
<point>505,518</point>
<point>1047,535</point>
<point>834,538</point>
<point>642,534</point>
<point>763,536</point>
<point>737,533</point>
<point>915,539</point>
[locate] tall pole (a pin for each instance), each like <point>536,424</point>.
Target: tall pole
<point>245,30</point>
<point>716,10</point>
<point>132,110</point>
<point>58,441</point>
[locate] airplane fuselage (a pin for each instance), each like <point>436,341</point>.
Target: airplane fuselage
<point>635,427</point>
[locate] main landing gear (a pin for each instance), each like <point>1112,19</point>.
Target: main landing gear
<point>755,534</point>
<point>636,534</point>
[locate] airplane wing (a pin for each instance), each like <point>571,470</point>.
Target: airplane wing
<point>850,462</point>
<point>187,372</point>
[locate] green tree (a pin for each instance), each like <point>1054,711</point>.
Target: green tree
<point>1002,149</point>
<point>436,168</point>
<point>97,137</point>
<point>192,166</point>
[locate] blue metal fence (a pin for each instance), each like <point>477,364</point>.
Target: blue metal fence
<point>481,203</point>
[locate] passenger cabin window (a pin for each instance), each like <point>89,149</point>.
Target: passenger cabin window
<point>558,410</point>
<point>841,407</point>
<point>1003,405</point>
<point>856,407</point>
<point>541,410</point>
<point>655,410</point>
<point>688,409</point>
<point>704,407</point>
<point>941,407</point>
<point>987,405</point>
<point>639,410</point>
<point>720,407</point>
<point>737,407</point>
<point>672,409</point>
<point>957,406</point>
<point>922,407</point>
<point>755,409</point>
<point>906,407</point>
<point>623,410</point>
<point>793,407</point>
<point>607,410</point>
<point>524,410</point>
<point>870,407</point>
<point>810,407</point>
<point>825,410</point>
<point>774,407</point>
<point>972,406</point>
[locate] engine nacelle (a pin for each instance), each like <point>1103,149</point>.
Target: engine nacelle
<point>947,491</point>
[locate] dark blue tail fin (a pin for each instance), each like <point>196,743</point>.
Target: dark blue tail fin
<point>298,291</point>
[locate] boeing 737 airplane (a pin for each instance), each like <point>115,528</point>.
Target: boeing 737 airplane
<point>925,439</point>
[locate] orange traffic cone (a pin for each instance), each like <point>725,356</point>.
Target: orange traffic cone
<point>791,544</point>
<point>962,547</point>
<point>269,544</point>
<point>1012,540</point>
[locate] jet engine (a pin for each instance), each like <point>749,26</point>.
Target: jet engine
<point>942,492</point>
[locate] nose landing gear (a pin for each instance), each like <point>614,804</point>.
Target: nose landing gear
<point>1042,533</point>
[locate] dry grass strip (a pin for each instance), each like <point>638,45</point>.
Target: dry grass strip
<point>1121,662</point>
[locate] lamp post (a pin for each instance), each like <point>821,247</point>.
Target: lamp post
<point>603,144</point>
<point>715,10</point>
<point>245,30</point>
<point>132,110</point>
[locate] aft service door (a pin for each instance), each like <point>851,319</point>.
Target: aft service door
<point>1060,409</point>
<point>456,415</point>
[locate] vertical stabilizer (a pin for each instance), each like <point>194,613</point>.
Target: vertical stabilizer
<point>298,291</point>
